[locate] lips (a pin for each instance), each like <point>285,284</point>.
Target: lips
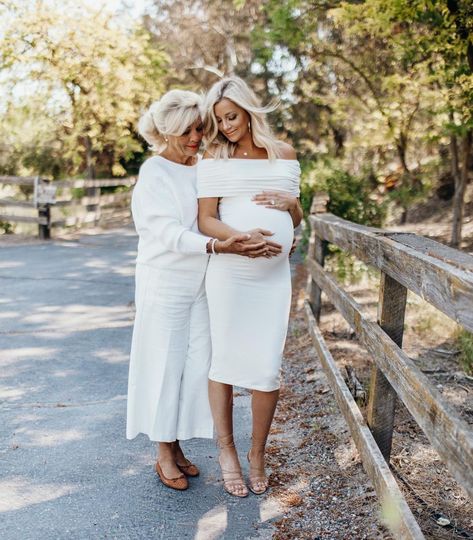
<point>231,133</point>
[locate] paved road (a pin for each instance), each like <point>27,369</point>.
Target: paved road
<point>66,469</point>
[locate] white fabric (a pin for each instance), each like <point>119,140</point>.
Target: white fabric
<point>170,351</point>
<point>247,176</point>
<point>249,299</point>
<point>164,207</point>
<point>170,357</point>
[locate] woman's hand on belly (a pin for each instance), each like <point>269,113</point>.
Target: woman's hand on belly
<point>239,245</point>
<point>277,200</point>
<point>270,249</point>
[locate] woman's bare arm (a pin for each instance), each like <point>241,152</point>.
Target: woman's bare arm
<point>209,224</point>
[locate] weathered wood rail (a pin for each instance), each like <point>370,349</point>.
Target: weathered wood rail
<point>440,275</point>
<point>92,208</point>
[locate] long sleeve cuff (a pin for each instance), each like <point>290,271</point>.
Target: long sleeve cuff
<point>191,242</point>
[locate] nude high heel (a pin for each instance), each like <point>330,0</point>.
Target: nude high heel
<point>232,479</point>
<point>258,481</point>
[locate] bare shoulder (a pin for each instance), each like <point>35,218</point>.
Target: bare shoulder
<point>287,151</point>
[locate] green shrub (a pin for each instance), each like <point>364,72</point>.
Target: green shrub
<point>465,344</point>
<point>6,227</point>
<point>351,197</point>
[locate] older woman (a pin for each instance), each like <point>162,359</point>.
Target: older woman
<point>170,353</point>
<point>249,300</point>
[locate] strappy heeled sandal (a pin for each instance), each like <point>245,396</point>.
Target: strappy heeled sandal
<point>232,479</point>
<point>258,481</point>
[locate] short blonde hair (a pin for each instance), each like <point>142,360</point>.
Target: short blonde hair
<point>170,115</point>
<point>236,90</point>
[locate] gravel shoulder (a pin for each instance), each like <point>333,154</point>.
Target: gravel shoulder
<point>318,473</point>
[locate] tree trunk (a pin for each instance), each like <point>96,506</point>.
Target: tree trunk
<point>89,159</point>
<point>401,145</point>
<point>454,167</point>
<point>461,181</point>
<point>92,192</point>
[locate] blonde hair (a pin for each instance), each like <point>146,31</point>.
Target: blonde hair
<point>171,115</point>
<point>236,90</point>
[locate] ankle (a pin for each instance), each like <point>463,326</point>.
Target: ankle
<point>226,442</point>
<point>166,452</point>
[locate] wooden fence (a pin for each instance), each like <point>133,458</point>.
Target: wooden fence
<point>440,275</point>
<point>92,208</point>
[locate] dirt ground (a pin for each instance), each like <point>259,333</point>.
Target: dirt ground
<point>318,474</point>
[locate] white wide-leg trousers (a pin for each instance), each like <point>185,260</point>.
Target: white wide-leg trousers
<point>170,357</point>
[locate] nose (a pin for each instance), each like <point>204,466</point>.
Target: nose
<point>226,125</point>
<point>196,136</point>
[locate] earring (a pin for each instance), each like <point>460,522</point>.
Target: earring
<point>249,127</point>
<point>166,139</point>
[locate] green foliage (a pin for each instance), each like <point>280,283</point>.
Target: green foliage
<point>82,76</point>
<point>410,190</point>
<point>6,227</point>
<point>465,343</point>
<point>347,268</point>
<point>352,197</point>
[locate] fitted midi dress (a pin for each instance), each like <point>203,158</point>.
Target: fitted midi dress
<point>170,351</point>
<point>249,299</point>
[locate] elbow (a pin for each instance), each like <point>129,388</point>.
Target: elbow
<point>298,219</point>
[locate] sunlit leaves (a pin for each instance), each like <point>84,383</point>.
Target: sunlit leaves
<point>96,73</point>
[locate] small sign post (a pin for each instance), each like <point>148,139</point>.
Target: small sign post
<point>44,197</point>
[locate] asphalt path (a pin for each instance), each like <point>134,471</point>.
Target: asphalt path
<point>66,469</point>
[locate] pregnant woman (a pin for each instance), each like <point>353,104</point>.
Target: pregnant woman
<point>247,179</point>
<point>170,353</point>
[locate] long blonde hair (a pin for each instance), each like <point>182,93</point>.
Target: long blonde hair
<point>236,90</point>
<point>170,115</point>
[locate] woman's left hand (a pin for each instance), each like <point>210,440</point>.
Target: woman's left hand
<point>278,200</point>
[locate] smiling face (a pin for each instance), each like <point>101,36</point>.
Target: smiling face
<point>232,120</point>
<point>188,143</point>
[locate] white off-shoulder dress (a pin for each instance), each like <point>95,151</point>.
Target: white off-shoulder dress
<point>249,299</point>
<point>170,351</point>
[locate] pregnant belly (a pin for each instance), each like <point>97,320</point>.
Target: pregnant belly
<point>243,214</point>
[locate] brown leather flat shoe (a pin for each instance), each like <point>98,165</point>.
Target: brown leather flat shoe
<point>189,469</point>
<point>180,483</point>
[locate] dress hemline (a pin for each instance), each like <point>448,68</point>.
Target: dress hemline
<point>246,386</point>
<point>168,438</point>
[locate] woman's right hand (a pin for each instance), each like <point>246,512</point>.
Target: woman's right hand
<point>239,244</point>
<point>252,244</point>
<point>271,249</point>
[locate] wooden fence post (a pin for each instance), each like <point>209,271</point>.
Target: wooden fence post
<point>316,251</point>
<point>44,227</point>
<point>319,248</point>
<point>382,398</point>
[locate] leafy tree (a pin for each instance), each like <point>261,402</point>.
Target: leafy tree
<point>93,73</point>
<point>206,39</point>
<point>438,35</point>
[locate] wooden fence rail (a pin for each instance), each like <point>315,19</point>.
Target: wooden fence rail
<point>96,206</point>
<point>440,275</point>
